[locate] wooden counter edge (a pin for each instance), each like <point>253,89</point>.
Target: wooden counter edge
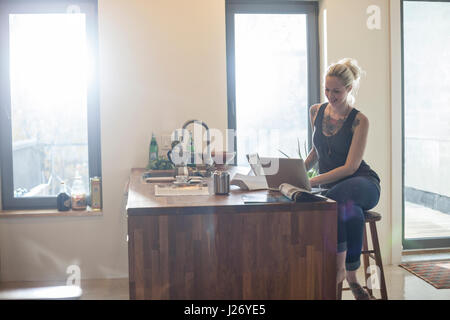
<point>230,209</point>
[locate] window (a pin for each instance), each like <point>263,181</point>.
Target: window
<point>273,76</point>
<point>49,108</point>
<point>426,142</point>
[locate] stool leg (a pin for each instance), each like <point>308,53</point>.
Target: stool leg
<point>366,259</point>
<point>339,291</point>
<point>376,247</point>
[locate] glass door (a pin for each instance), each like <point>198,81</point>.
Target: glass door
<point>426,130</point>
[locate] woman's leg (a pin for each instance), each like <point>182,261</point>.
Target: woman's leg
<point>353,196</point>
<point>340,266</point>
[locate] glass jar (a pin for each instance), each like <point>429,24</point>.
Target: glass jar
<point>78,195</point>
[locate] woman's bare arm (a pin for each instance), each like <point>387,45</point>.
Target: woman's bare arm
<point>311,159</point>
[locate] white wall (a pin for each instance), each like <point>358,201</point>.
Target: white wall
<point>163,62</point>
<point>396,132</point>
<point>347,35</point>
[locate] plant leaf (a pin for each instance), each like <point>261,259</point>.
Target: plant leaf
<point>298,148</point>
<point>306,150</point>
<point>283,153</point>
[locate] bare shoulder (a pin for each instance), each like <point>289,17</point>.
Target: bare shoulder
<point>361,121</point>
<point>314,108</point>
<point>313,111</point>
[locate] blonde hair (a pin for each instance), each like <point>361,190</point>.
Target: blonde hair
<point>348,71</point>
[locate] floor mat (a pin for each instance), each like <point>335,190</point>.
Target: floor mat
<point>436,273</point>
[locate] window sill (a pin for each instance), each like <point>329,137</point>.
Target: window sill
<point>425,251</point>
<point>49,213</point>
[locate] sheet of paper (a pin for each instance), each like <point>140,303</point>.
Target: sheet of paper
<point>249,182</point>
<point>173,190</point>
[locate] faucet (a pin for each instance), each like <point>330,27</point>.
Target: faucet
<point>208,138</point>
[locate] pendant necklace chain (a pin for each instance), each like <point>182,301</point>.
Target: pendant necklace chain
<point>328,137</point>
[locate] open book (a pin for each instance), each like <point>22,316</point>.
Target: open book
<point>246,182</point>
<point>289,193</point>
<point>298,194</point>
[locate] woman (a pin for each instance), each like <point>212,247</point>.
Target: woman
<point>339,140</point>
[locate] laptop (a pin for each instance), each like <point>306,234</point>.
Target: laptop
<point>281,170</point>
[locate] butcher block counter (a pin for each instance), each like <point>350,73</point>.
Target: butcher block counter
<point>217,247</point>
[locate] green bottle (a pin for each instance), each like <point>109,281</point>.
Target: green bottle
<point>153,154</point>
<point>192,152</point>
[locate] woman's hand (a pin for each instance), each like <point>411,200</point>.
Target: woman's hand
<point>313,182</point>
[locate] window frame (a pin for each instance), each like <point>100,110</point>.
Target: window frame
<point>90,9</point>
<point>413,243</point>
<point>311,9</point>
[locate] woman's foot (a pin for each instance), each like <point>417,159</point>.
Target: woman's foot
<point>359,292</point>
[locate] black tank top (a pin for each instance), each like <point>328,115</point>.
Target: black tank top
<point>332,151</point>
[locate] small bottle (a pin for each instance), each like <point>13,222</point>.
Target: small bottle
<point>191,152</point>
<point>153,154</point>
<point>96,193</point>
<point>79,201</point>
<point>63,199</point>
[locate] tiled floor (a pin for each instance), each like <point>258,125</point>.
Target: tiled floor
<point>93,289</point>
<point>401,284</point>
<point>422,222</point>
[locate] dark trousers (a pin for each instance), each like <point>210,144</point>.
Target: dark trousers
<point>354,196</point>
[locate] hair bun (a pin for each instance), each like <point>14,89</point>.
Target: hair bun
<point>353,66</point>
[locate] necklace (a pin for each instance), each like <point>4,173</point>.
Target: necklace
<point>329,148</point>
<point>335,127</point>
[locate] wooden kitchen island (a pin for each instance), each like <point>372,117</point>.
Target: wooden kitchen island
<point>217,247</point>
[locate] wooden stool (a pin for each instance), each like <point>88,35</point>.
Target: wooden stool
<point>371,218</point>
